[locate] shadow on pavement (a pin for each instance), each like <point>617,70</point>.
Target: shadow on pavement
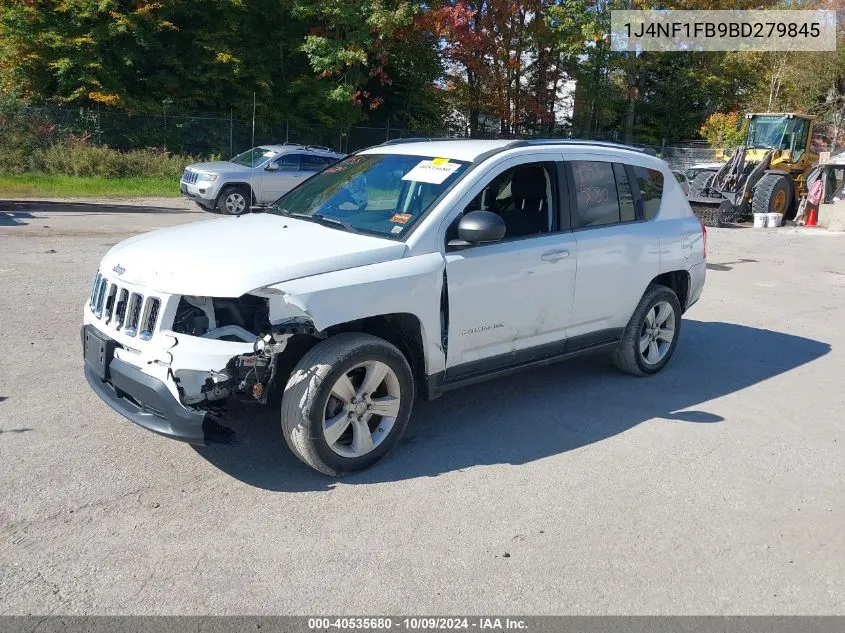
<point>539,413</point>
<point>13,210</point>
<point>14,219</point>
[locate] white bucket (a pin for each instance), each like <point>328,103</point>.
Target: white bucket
<point>773,220</point>
<point>760,220</point>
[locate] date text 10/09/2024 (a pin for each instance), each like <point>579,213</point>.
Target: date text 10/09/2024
<point>417,624</point>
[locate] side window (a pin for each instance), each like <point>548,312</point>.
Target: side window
<point>626,195</point>
<point>651,190</point>
<point>288,162</point>
<point>312,162</point>
<point>596,198</point>
<point>523,196</point>
<point>800,139</point>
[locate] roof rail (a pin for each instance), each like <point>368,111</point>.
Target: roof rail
<point>576,141</point>
<point>420,139</point>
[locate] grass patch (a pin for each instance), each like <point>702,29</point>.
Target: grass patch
<point>36,185</point>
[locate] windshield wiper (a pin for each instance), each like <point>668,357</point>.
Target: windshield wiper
<point>315,217</point>
<point>325,221</point>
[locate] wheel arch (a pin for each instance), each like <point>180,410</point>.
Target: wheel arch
<point>401,329</point>
<point>679,281</point>
<point>237,183</point>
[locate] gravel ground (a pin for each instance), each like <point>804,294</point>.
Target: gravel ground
<point>713,488</point>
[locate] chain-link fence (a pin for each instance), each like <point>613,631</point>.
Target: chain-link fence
<point>201,134</point>
<point>207,135</point>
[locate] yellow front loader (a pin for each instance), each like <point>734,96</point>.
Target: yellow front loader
<point>766,175</point>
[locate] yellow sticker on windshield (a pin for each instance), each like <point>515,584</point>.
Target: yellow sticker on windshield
<point>439,161</point>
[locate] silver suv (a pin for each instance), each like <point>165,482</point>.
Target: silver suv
<point>256,177</point>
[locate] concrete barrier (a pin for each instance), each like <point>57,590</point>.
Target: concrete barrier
<point>832,216</point>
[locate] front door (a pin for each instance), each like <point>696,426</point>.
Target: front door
<point>277,181</point>
<point>512,299</point>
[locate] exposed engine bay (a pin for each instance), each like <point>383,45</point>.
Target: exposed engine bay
<point>237,320</point>
<point>240,319</point>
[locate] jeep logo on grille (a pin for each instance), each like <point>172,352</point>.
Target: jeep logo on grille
<point>119,269</point>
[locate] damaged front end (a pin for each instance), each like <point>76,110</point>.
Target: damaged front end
<point>228,347</point>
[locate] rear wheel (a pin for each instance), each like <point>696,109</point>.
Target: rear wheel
<point>773,194</point>
<point>234,200</point>
<point>652,333</point>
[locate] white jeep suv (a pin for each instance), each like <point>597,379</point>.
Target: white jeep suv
<point>406,269</point>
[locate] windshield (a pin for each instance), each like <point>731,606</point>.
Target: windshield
<point>380,194</point>
<point>767,132</point>
<point>254,157</point>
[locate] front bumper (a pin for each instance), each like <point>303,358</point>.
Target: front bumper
<point>149,403</point>
<point>203,195</point>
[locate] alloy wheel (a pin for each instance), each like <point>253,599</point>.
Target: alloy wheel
<point>235,203</point>
<point>657,333</point>
<point>362,409</point>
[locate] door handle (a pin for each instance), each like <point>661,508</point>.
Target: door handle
<point>554,256</point>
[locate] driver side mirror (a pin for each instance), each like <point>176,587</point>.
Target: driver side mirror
<point>272,167</point>
<point>478,227</point>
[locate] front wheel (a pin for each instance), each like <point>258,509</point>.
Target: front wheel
<point>347,403</point>
<point>773,194</point>
<point>700,182</point>
<point>234,200</point>
<point>652,333</point>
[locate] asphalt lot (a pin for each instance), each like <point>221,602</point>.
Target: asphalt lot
<point>716,487</point>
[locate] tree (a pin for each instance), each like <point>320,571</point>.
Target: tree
<point>720,130</point>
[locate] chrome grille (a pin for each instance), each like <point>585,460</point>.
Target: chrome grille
<point>134,314</point>
<point>190,176</point>
<point>92,301</point>
<point>120,308</point>
<point>101,297</point>
<point>109,308</point>
<point>150,316</point>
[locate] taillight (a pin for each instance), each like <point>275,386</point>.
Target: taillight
<point>704,238</point>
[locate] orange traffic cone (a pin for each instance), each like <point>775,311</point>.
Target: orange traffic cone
<point>812,217</point>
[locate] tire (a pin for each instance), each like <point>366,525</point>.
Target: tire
<point>701,180</point>
<point>314,396</point>
<point>234,200</point>
<point>628,357</point>
<point>773,194</point>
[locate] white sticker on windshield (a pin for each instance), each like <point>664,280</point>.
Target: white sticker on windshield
<point>433,171</point>
<point>269,153</point>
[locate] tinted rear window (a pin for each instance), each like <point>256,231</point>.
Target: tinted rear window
<point>626,197</point>
<point>651,190</point>
<point>595,193</point>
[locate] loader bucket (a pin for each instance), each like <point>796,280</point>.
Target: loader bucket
<point>712,211</point>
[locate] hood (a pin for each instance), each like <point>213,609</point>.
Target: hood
<point>216,167</point>
<point>231,256</point>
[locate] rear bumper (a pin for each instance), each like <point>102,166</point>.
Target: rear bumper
<point>147,402</point>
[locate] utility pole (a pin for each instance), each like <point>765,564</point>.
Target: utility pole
<point>253,121</point>
<point>231,133</point>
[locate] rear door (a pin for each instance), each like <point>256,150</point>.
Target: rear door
<point>618,249</point>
